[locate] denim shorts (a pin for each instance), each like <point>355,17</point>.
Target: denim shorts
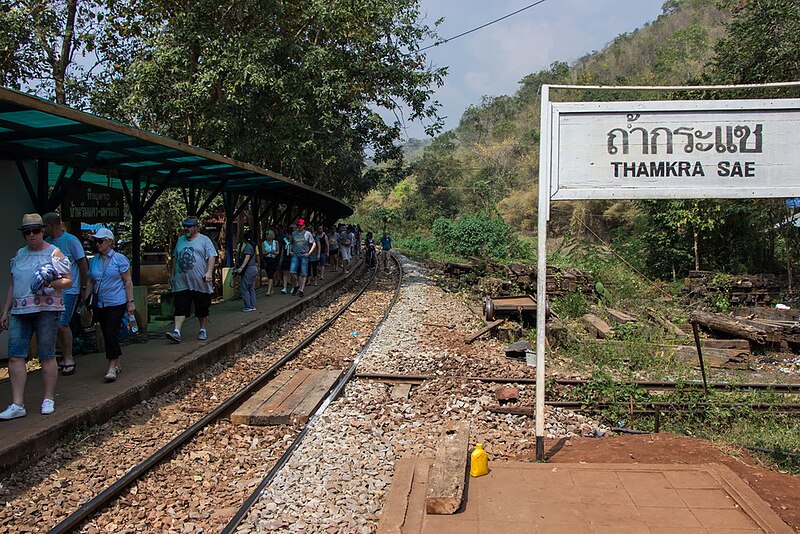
<point>302,262</point>
<point>323,259</point>
<point>70,301</point>
<point>21,329</point>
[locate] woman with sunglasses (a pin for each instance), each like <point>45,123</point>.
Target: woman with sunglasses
<point>111,286</point>
<point>39,273</point>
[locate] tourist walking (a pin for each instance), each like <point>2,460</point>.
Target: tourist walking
<point>356,241</point>
<point>285,241</point>
<point>39,274</point>
<point>370,262</point>
<point>110,290</point>
<point>72,248</point>
<point>345,243</point>
<point>271,253</point>
<point>324,248</point>
<point>194,258</point>
<point>248,270</point>
<point>303,245</point>
<point>333,251</point>
<point>386,248</point>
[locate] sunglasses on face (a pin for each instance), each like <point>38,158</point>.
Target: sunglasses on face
<point>34,231</point>
<point>98,241</point>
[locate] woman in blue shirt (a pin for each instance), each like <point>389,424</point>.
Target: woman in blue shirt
<point>112,288</point>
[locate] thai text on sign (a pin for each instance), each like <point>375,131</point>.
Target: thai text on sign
<point>676,149</point>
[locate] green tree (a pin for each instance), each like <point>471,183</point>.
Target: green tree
<point>762,43</point>
<point>289,85</point>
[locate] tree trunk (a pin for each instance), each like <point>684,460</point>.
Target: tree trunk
<point>64,58</point>
<point>696,250</point>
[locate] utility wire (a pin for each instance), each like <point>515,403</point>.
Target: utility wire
<point>481,26</point>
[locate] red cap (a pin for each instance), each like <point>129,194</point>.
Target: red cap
<point>301,222</point>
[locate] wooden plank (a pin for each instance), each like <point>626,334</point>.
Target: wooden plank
<point>479,333</point>
<point>739,344</point>
<point>401,391</point>
<point>771,314</point>
<point>714,357</point>
<point>620,316</point>
<point>244,414</point>
<point>303,411</point>
<point>263,416</point>
<point>668,325</point>
<point>281,414</point>
<point>596,326</point>
<point>393,515</point>
<point>447,477</point>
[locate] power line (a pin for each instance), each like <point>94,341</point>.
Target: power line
<point>482,26</point>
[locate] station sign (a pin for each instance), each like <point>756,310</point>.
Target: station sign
<point>674,149</point>
<point>92,203</point>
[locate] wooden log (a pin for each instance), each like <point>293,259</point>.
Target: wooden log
<point>596,326</point>
<point>770,314</point>
<point>485,329</point>
<point>739,344</point>
<point>619,316</point>
<point>668,325</point>
<point>448,473</point>
<point>743,328</point>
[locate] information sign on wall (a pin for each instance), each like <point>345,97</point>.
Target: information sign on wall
<point>93,203</point>
<point>675,149</point>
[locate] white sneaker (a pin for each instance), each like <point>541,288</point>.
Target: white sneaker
<point>12,412</point>
<point>202,335</point>
<point>48,406</point>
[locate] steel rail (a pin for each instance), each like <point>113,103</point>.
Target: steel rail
<point>645,384</point>
<point>336,390</point>
<point>109,494</point>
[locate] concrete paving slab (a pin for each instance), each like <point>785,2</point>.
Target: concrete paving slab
<point>596,498</point>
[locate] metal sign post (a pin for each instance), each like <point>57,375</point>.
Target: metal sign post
<point>675,149</point>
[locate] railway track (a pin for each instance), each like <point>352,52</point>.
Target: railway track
<point>197,440</point>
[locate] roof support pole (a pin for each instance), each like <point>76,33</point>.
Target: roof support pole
<point>204,206</point>
<point>42,175</point>
<point>229,202</point>
<point>23,174</point>
<point>62,186</point>
<point>136,229</point>
<point>255,230</point>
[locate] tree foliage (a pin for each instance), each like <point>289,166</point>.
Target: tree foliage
<point>292,86</point>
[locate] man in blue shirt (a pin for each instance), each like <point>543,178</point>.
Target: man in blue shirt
<point>72,248</point>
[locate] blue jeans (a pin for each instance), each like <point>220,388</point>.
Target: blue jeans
<point>21,329</point>
<point>298,260</point>
<point>69,308</point>
<point>247,286</point>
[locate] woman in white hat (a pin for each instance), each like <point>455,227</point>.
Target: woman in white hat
<point>39,272</point>
<point>111,288</point>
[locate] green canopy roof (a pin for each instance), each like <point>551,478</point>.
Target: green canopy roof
<point>34,128</point>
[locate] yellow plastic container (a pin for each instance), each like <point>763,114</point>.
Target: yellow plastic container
<point>479,462</point>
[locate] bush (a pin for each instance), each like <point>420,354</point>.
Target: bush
<point>476,235</point>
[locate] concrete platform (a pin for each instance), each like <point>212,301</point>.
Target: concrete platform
<point>148,368</point>
<point>596,498</point>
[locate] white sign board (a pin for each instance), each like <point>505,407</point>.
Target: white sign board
<point>674,149</point>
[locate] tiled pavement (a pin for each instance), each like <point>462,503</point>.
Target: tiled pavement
<point>596,498</point>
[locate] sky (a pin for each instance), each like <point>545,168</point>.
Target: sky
<point>493,60</point>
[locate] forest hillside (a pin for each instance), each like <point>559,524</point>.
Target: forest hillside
<point>485,170</point>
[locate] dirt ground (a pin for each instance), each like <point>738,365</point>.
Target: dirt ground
<point>780,490</point>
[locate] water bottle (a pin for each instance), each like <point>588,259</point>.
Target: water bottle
<point>132,323</point>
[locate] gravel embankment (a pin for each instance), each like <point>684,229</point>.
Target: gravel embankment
<point>339,476</point>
